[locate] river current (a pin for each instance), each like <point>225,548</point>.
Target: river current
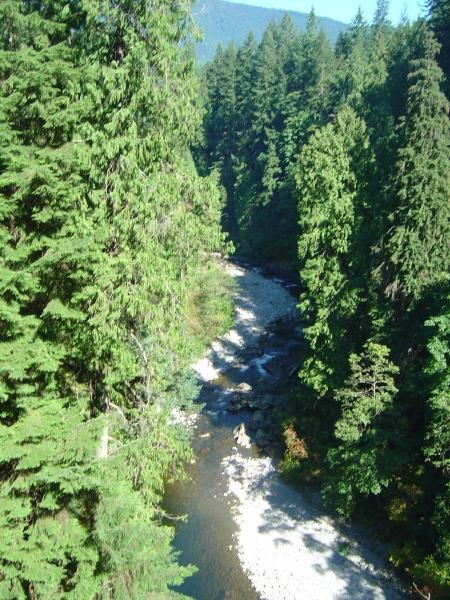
<point>251,535</point>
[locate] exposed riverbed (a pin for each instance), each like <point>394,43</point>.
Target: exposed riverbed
<point>250,534</point>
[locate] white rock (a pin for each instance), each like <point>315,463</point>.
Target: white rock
<point>288,548</point>
<point>241,436</point>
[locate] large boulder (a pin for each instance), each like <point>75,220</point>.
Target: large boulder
<point>244,388</point>
<point>241,436</point>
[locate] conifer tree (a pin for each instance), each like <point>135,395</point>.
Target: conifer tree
<point>310,78</point>
<point>437,447</point>
<point>438,435</point>
<point>355,65</point>
<point>269,90</point>
<point>105,228</point>
<point>418,257</point>
<point>161,220</point>
<point>359,143</point>
<point>223,110</point>
<point>381,17</point>
<point>257,181</point>
<point>315,72</point>
<point>362,462</point>
<point>221,125</point>
<point>440,23</point>
<point>330,192</point>
<point>50,481</point>
<point>245,82</point>
<point>286,37</point>
<point>242,160</point>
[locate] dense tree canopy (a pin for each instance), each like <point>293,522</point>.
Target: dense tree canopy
<point>105,227</point>
<point>440,23</point>
<point>338,165</point>
<point>331,160</point>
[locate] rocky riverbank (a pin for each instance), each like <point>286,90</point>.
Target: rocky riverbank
<point>286,545</point>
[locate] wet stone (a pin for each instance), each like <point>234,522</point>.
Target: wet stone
<point>259,416</point>
<point>244,388</point>
<point>241,436</point>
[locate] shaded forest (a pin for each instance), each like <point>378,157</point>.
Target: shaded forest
<point>123,173</point>
<point>335,161</point>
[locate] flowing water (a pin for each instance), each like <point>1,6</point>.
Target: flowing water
<point>207,538</point>
<point>210,538</point>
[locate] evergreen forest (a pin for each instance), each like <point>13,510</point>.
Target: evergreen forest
<point>336,161</point>
<point>125,169</point>
<point>104,229</point>
<point>223,22</point>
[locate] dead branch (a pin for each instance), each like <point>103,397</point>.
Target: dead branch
<point>141,348</point>
<point>421,594</point>
<point>118,409</point>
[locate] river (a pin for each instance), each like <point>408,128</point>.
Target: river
<point>250,534</point>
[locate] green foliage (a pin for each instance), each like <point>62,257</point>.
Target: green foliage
<point>435,567</point>
<point>330,189</point>
<point>136,548</point>
<point>337,160</point>
<point>440,23</point>
<point>262,104</point>
<point>50,477</point>
<point>438,370</point>
<point>437,445</point>
<point>361,463</point>
<point>368,392</point>
<point>104,225</point>
<point>210,305</point>
<point>421,221</point>
<point>224,23</point>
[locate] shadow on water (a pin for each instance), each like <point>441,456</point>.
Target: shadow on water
<point>206,539</point>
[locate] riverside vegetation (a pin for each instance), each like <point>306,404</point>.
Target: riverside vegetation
<point>108,288</point>
<point>105,231</point>
<point>355,140</point>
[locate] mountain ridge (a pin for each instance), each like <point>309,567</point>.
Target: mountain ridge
<point>225,22</point>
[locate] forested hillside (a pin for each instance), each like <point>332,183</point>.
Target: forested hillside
<point>337,161</point>
<point>224,22</point>
<point>106,231</point>
<point>117,188</point>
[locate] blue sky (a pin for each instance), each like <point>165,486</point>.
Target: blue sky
<point>343,10</point>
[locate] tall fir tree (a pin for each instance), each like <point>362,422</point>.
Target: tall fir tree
<point>257,182</point>
<point>50,478</point>
<point>418,257</point>
<point>439,11</point>
<point>330,192</point>
<point>353,56</point>
<point>359,142</point>
<point>362,463</point>
<point>437,447</point>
